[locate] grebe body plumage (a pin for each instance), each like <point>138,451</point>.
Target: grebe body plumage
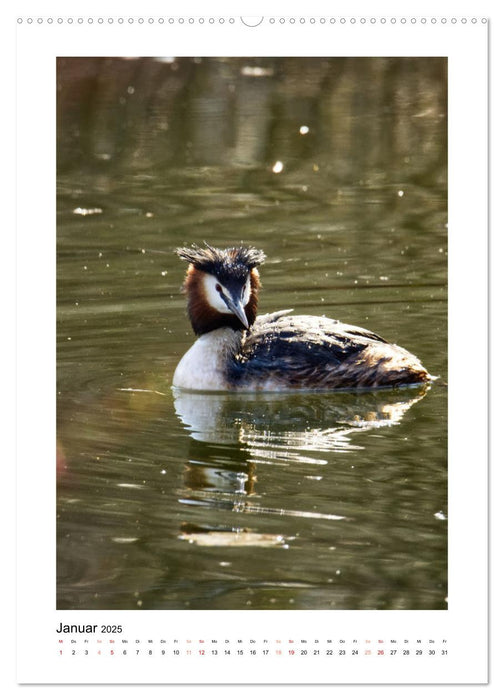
<point>239,351</point>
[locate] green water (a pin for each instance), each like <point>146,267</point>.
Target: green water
<point>170,500</point>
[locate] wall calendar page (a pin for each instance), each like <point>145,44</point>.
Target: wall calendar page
<point>251,239</point>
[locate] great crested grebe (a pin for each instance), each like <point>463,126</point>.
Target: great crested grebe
<point>239,351</point>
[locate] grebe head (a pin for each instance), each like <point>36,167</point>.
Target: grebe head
<point>222,286</point>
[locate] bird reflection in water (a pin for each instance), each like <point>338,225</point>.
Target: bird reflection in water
<point>232,434</point>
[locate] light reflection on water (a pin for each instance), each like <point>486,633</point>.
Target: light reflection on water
<point>303,422</point>
<point>163,497</point>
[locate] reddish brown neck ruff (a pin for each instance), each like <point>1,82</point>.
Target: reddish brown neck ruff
<point>204,318</point>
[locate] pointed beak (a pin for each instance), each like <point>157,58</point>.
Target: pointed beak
<point>236,306</point>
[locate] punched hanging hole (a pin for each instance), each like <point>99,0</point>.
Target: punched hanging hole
<point>251,21</point>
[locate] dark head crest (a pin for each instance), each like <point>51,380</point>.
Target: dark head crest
<point>222,262</point>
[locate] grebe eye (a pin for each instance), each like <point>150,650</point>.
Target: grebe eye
<point>218,288</point>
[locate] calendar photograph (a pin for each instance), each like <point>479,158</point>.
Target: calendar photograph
<point>252,359</point>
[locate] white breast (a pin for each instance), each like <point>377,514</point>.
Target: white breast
<point>202,368</point>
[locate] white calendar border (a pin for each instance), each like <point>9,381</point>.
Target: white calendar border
<point>467,157</point>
